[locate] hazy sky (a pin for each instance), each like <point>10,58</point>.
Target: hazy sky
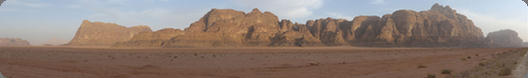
<point>56,21</point>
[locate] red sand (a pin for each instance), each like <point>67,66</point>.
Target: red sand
<point>309,62</point>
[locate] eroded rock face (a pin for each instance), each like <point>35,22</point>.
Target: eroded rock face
<point>238,28</point>
<point>13,42</point>
<point>440,26</point>
<point>104,34</point>
<point>504,38</point>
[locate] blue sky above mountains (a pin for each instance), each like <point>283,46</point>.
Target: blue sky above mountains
<point>56,21</point>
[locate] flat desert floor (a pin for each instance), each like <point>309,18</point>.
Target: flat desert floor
<point>306,62</point>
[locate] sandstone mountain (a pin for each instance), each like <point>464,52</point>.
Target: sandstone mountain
<point>13,42</point>
<point>504,38</point>
<point>104,34</point>
<point>441,26</point>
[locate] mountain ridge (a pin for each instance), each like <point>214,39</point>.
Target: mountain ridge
<point>440,26</point>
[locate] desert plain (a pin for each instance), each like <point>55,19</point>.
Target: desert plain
<point>258,62</point>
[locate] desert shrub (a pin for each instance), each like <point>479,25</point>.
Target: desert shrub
<point>422,66</point>
<point>481,64</point>
<point>430,76</point>
<point>445,71</point>
<point>505,72</point>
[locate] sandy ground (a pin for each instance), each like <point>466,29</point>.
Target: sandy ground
<point>310,62</point>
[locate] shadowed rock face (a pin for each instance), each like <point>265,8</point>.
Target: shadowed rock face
<point>440,26</point>
<point>104,34</point>
<point>504,38</point>
<point>13,42</point>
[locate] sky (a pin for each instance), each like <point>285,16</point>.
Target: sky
<point>56,21</point>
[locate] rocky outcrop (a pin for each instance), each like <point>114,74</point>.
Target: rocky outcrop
<point>104,34</point>
<point>13,42</point>
<point>231,28</point>
<point>151,39</point>
<point>504,38</point>
<point>440,26</point>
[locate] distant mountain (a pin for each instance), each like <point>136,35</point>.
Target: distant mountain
<point>525,44</point>
<point>504,38</point>
<point>13,42</point>
<point>104,34</point>
<point>440,26</point>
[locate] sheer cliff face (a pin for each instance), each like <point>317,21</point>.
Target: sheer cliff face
<point>13,42</point>
<point>226,27</point>
<point>104,34</point>
<point>439,26</point>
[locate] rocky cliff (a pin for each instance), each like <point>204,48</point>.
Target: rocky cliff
<point>504,38</point>
<point>13,42</point>
<point>104,34</point>
<point>440,26</point>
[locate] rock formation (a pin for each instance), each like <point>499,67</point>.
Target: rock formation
<point>440,26</point>
<point>13,42</point>
<point>504,38</point>
<point>104,34</point>
<point>151,39</point>
<point>226,27</point>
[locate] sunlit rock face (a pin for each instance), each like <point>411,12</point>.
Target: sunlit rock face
<point>104,34</point>
<point>13,42</point>
<point>504,38</point>
<point>440,26</point>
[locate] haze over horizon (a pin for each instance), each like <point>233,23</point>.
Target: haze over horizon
<point>56,21</point>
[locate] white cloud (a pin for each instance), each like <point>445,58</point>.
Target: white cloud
<point>283,8</point>
<point>377,2</point>
<point>155,17</point>
<point>489,23</point>
<point>339,16</point>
